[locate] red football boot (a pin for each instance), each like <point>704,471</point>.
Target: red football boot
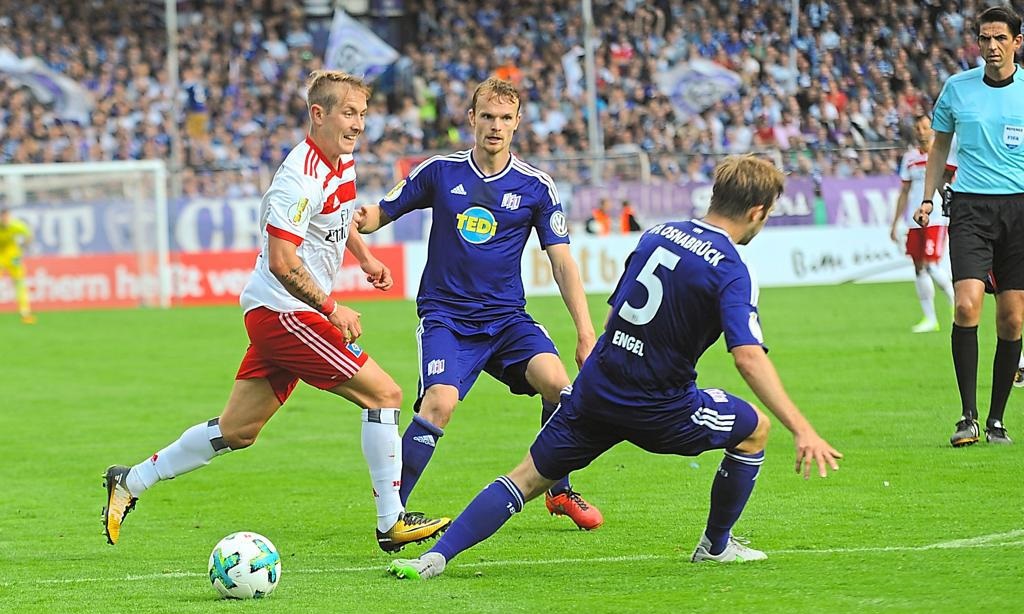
<point>572,504</point>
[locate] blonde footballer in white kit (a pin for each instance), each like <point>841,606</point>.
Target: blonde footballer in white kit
<point>296,330</point>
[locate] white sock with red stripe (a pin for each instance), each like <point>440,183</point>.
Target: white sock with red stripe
<point>192,450</point>
<point>382,448</point>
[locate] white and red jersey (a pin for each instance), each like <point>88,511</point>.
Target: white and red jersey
<point>912,169</point>
<point>310,203</point>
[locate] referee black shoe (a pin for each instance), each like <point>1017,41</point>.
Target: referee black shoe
<point>966,433</point>
<point>996,433</point>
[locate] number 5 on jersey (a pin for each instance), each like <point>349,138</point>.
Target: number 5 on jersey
<point>655,291</point>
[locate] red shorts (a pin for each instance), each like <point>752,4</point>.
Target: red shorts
<point>287,347</point>
<point>928,243</point>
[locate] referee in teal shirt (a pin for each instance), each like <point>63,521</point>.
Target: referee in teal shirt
<point>985,108</point>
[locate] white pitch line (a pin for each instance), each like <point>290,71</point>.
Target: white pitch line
<point>1009,539</point>
<point>984,539</point>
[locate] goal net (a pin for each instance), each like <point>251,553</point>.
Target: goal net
<point>100,233</point>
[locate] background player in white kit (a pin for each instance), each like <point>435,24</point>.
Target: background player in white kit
<point>925,246</point>
<point>297,331</point>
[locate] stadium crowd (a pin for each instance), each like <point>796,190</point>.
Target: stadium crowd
<point>862,71</point>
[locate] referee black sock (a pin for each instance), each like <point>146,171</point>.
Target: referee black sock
<point>964,340</point>
<point>1004,367</point>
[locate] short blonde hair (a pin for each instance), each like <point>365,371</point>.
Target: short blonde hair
<point>320,92</point>
<point>496,88</point>
<point>744,182</point>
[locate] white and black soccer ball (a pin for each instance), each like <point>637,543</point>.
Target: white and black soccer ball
<point>244,565</point>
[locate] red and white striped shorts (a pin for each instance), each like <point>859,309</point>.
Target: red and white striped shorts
<point>286,347</point>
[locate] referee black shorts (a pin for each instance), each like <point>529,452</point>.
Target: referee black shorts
<point>986,234</point>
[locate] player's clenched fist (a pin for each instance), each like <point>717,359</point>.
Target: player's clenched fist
<point>922,213</point>
<point>346,320</point>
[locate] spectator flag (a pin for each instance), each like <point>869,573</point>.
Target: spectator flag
<point>696,85</point>
<point>68,99</point>
<point>355,49</point>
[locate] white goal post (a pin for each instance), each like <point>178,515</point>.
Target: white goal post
<point>92,210</point>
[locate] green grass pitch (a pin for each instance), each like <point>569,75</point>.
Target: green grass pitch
<point>907,525</point>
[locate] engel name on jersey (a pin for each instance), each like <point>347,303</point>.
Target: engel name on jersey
<point>683,286</point>
<point>310,204</point>
<point>480,225</point>
<point>912,170</point>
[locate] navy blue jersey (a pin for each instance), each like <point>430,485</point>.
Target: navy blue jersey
<point>684,285</point>
<point>479,228</point>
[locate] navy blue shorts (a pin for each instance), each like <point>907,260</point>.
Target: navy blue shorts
<point>448,357</point>
<point>575,436</point>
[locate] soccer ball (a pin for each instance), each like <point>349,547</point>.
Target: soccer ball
<point>244,565</point>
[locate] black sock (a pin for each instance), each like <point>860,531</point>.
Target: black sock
<point>964,340</point>
<point>1004,367</point>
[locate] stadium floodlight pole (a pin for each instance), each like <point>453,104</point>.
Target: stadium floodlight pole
<point>590,72</point>
<point>173,80</point>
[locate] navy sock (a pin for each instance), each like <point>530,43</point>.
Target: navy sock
<point>1004,366</point>
<point>546,409</point>
<point>729,493</point>
<point>418,443</point>
<point>482,518</point>
<point>964,341</point>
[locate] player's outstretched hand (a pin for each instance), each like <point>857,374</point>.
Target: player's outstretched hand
<point>346,320</point>
<point>378,274</point>
<point>922,213</point>
<point>811,449</point>
<point>359,218</point>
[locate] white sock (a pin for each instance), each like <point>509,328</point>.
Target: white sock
<point>926,294</point>
<point>382,449</point>
<point>943,279</point>
<point>192,450</point>
<point>1020,365</point>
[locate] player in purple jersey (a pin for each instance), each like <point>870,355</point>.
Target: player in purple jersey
<point>484,203</point>
<point>684,285</point>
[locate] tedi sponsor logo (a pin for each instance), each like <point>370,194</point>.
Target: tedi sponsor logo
<point>476,225</point>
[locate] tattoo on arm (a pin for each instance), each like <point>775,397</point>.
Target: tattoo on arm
<point>300,284</point>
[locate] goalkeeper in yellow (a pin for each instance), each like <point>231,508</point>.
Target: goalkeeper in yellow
<point>15,235</point>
